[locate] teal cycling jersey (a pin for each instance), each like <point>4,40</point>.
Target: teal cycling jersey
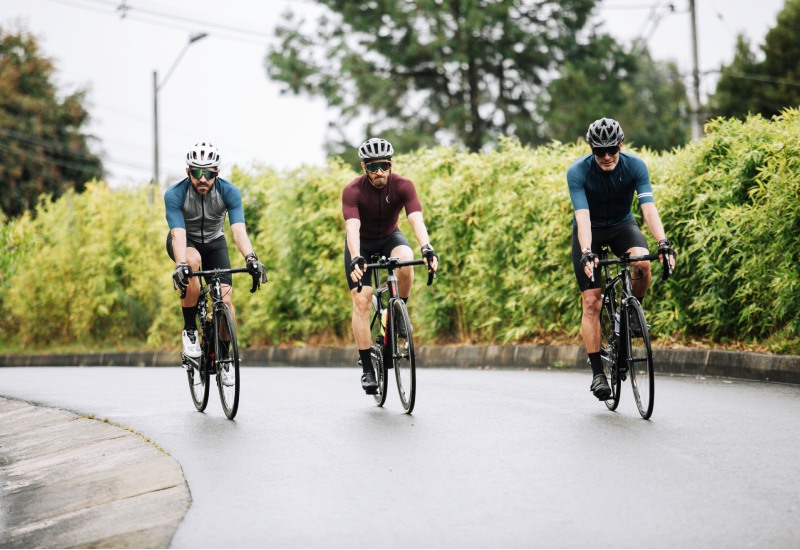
<point>608,195</point>
<point>202,216</point>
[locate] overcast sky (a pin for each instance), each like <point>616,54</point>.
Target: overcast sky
<point>219,90</point>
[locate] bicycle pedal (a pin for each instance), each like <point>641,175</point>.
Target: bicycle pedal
<point>188,363</point>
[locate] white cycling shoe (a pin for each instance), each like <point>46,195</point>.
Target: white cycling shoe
<point>228,375</point>
<point>191,344</point>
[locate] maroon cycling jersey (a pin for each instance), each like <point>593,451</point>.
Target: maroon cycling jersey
<point>379,209</point>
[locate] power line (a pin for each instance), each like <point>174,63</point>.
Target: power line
<point>172,21</point>
<point>756,77</point>
<point>636,6</point>
<point>51,146</point>
<point>64,164</point>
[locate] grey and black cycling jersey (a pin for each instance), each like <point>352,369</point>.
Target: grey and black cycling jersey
<point>203,216</point>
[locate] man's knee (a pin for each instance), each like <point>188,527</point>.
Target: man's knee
<point>193,258</point>
<point>403,252</point>
<point>592,302</point>
<point>362,300</point>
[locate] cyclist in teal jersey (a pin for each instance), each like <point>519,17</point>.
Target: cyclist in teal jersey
<point>601,186</point>
<point>195,209</point>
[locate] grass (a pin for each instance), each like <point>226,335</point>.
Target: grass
<point>131,430</point>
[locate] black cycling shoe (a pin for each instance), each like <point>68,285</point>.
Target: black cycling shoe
<point>401,331</point>
<point>368,383</point>
<point>600,387</point>
<point>635,327</point>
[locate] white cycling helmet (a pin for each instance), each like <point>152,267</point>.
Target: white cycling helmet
<point>203,155</point>
<point>375,148</point>
<point>605,132</point>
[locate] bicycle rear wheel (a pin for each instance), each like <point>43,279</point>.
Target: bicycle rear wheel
<point>376,352</point>
<point>196,373</point>
<point>227,359</point>
<point>609,352</point>
<point>639,358</point>
<point>402,346</point>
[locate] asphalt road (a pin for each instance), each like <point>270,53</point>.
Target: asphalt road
<point>490,458</point>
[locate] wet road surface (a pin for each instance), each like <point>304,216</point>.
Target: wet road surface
<point>490,458</point>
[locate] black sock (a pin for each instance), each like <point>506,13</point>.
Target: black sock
<point>405,300</point>
<point>596,362</point>
<point>189,318</point>
<point>641,300</point>
<point>366,359</point>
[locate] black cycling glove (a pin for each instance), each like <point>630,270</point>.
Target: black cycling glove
<point>254,267</point>
<point>429,254</point>
<point>665,250</point>
<point>588,256</point>
<point>257,270</point>
<point>358,261</point>
<point>181,275</point>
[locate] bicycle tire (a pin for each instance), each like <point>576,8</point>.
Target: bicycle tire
<point>197,375</point>
<point>639,358</point>
<point>376,352</point>
<point>609,351</point>
<point>228,379</point>
<point>403,354</point>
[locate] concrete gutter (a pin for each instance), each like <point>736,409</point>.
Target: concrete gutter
<point>73,482</point>
<point>697,362</point>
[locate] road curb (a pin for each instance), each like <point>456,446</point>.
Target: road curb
<point>72,482</point>
<point>727,364</point>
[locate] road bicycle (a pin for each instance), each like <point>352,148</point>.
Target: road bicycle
<point>220,350</point>
<point>625,351</point>
<point>392,343</point>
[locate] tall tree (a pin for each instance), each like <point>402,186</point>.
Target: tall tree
<point>766,84</point>
<point>607,80</point>
<point>41,139</point>
<point>428,71</point>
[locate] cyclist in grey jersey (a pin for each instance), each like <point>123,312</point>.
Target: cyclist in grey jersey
<point>601,187</point>
<point>203,216</point>
<point>195,210</point>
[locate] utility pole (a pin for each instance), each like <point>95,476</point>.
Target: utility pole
<point>156,88</point>
<point>697,119</point>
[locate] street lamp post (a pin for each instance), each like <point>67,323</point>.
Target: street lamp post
<point>156,88</point>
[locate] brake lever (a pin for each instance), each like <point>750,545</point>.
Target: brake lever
<point>667,272</point>
<point>175,287</point>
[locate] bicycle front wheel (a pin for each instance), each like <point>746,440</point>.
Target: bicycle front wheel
<point>197,373</point>
<point>609,352</point>
<point>227,359</point>
<point>639,358</point>
<point>198,384</point>
<point>376,352</point>
<point>402,347</point>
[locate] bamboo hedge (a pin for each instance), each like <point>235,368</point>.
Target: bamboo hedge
<point>91,269</point>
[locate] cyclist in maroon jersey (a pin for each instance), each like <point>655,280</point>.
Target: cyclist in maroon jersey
<point>371,206</point>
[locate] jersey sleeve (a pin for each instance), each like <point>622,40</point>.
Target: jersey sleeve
<point>577,192</point>
<point>644,189</point>
<point>350,203</point>
<point>410,199</point>
<point>232,198</point>
<point>173,205</point>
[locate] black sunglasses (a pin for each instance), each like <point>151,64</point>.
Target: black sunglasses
<point>602,151</point>
<point>380,165</point>
<point>198,173</point>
